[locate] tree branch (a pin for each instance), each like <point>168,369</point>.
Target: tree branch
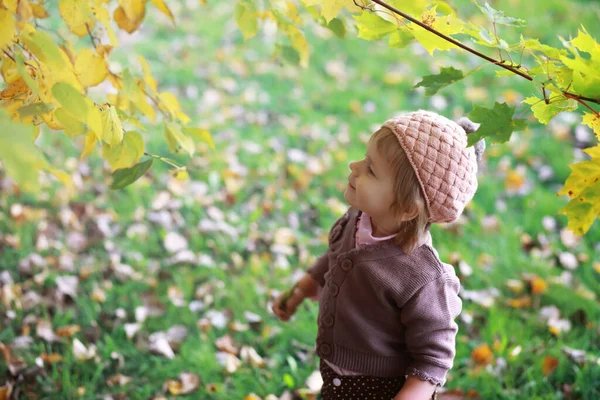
<point>451,40</point>
<point>470,50</point>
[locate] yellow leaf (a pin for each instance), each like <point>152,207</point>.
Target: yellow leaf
<point>11,5</point>
<point>201,134</point>
<point>90,68</point>
<point>300,44</point>
<point>42,46</point>
<point>245,16</point>
<point>112,132</point>
<point>52,122</point>
<point>77,15</point>
<point>169,103</point>
<point>160,4</point>
<point>593,121</point>
<point>177,140</point>
<point>24,11</point>
<point>9,70</point>
<point>16,88</point>
<point>71,125</point>
<point>8,28</point>
<point>175,387</point>
<point>90,144</point>
<point>130,14</point>
<point>39,11</point>
<point>148,78</point>
<point>126,153</point>
<point>62,176</point>
<point>103,16</point>
<point>582,175</point>
<point>134,9</point>
<point>181,174</point>
<point>447,25</point>
<point>331,8</point>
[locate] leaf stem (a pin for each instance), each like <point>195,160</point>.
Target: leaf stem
<point>165,160</point>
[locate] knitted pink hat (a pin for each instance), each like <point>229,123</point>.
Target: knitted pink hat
<point>446,168</point>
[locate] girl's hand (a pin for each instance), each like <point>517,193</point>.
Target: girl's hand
<point>286,304</point>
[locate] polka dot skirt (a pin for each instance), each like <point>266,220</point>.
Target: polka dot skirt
<point>357,387</point>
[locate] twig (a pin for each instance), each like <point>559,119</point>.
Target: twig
<point>578,99</point>
<point>87,26</point>
<point>9,56</point>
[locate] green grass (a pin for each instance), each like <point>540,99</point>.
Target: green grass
<point>323,110</point>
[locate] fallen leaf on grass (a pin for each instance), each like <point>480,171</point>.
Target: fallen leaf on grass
<point>549,365</point>
<point>229,361</point>
<point>81,352</point>
<point>68,331</point>
<point>15,364</point>
<point>226,344</point>
<point>482,355</point>
<point>249,355</point>
<point>118,379</point>
<point>186,384</point>
<point>44,330</point>
<point>51,358</point>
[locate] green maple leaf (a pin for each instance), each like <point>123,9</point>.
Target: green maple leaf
<point>446,77</point>
<point>497,124</point>
<point>545,112</point>
<point>372,27</point>
<point>498,16</point>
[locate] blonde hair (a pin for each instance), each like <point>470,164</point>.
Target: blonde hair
<point>409,195</point>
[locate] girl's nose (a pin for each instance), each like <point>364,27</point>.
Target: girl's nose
<point>352,166</point>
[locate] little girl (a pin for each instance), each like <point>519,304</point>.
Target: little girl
<point>387,304</point>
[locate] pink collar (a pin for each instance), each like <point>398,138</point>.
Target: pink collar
<point>364,231</point>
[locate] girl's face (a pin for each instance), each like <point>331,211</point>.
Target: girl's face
<point>370,185</point>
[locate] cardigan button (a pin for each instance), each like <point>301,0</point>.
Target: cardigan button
<point>335,289</point>
<point>328,320</point>
<point>346,265</point>
<point>326,349</point>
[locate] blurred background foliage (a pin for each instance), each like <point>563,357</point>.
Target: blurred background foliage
<point>164,288</point>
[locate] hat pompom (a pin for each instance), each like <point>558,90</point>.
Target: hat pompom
<point>470,127</point>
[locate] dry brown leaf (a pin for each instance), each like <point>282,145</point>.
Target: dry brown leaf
<point>482,355</point>
<point>521,302</point>
<point>549,365</point>
<point>118,379</point>
<point>15,364</point>
<point>190,382</point>
<point>226,344</point>
<point>5,392</point>
<point>68,331</point>
<point>51,358</point>
<point>44,330</point>
<point>249,355</point>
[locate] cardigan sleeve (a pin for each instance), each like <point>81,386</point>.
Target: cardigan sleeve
<point>319,268</point>
<point>430,329</point>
